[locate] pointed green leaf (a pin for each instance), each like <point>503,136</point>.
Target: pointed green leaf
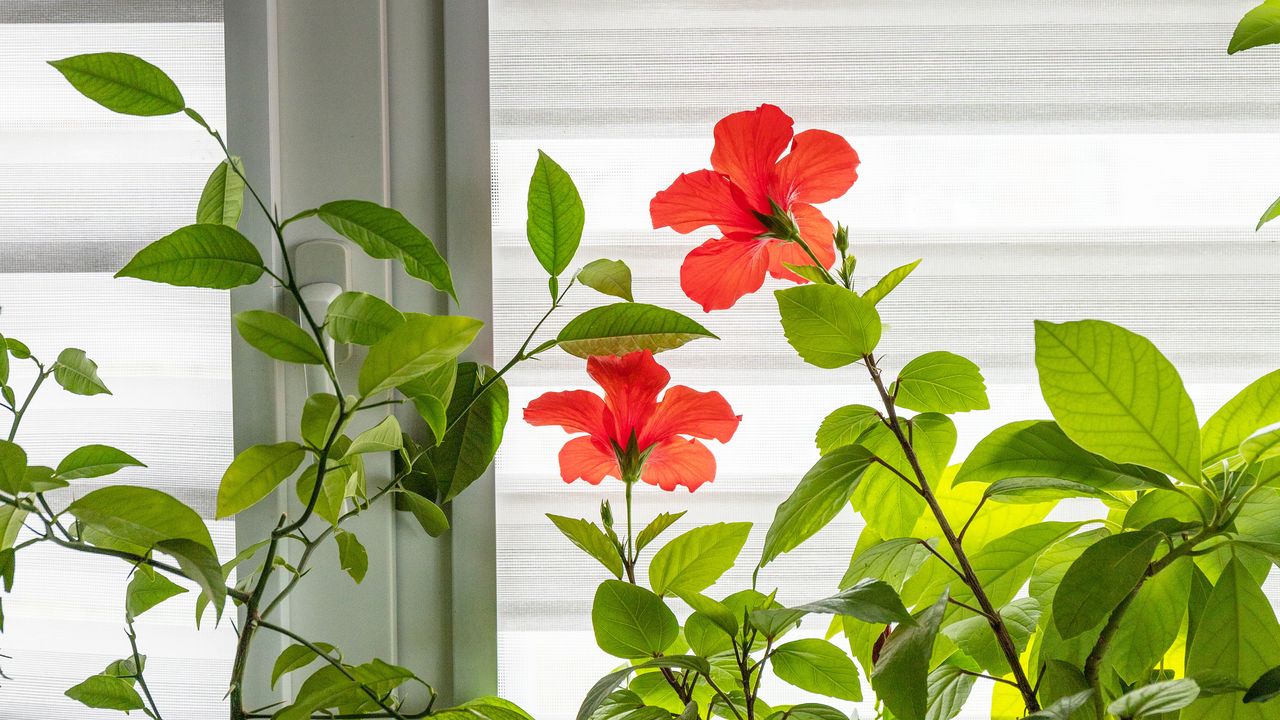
<point>361,318</point>
<point>1272,211</point>
<point>122,83</point>
<point>829,326</point>
<point>818,667</point>
<point>973,634</point>
<point>104,692</point>
<point>941,382</point>
<point>296,657</point>
<point>255,473</point>
<point>93,461</point>
<point>139,516</point>
<point>887,283</point>
<point>476,423</point>
<point>901,675</point>
<point>385,234</point>
<point>199,562</point>
<point>383,437</point>
<point>631,622</point>
<point>870,600</point>
<point>590,539</point>
<point>821,494</point>
<point>278,337</point>
<point>422,344</point>
<point>207,256</point>
<point>222,199</point>
<point>656,528</point>
<point>319,416</point>
<point>352,556</point>
<point>1264,688</point>
<point>611,277</point>
<point>1253,408</point>
<point>428,514</point>
<point>556,215</point>
<point>844,426</point>
<point>1100,578</point>
<point>148,589</point>
<point>77,374</point>
<point>1262,446</point>
<point>13,468</point>
<point>1260,26</point>
<point>949,689</point>
<point>693,561</point>
<point>1151,624</point>
<point>1155,699</point>
<point>625,327</point>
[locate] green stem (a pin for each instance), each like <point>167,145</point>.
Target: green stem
<point>26,403</point>
<point>137,664</point>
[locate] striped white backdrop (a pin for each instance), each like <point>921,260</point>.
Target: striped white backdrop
<point>1046,159</point>
<point>80,190</point>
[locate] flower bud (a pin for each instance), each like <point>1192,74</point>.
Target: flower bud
<point>606,514</point>
<point>842,237</point>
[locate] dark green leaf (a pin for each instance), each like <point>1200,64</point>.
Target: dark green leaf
<point>656,528</point>
<point>590,539</point>
<point>431,395</point>
<point>93,461</point>
<point>1151,624</point>
<point>278,337</point>
<point>255,473</point>
<point>122,83</point>
<point>941,382</point>
<point>611,277</point>
<point>887,283</point>
<point>625,327</point>
<point>1260,26</point>
<point>821,494</point>
<point>222,199</point>
<point>476,423</point>
<point>77,374</point>
<point>1100,578</point>
<point>1264,688</point>
<point>870,600</point>
<point>385,234</point>
<point>105,692</point>
<point>352,556</point>
<point>901,675</point>
<point>819,667</point>
<point>361,318</point>
<point>829,326</point>
<point>147,589</point>
<point>556,215</point>
<point>631,622</point>
<point>207,256</point>
<point>429,515</point>
<point>693,561</point>
<point>1154,699</point>
<point>1065,708</point>
<point>420,345</point>
<point>844,426</point>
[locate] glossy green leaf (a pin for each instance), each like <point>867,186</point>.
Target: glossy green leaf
<point>122,83</point>
<point>319,417</point>
<point>1253,408</point>
<point>870,600</point>
<point>148,589</point>
<point>104,692</point>
<point>625,327</point>
<point>773,623</point>
<point>716,612</point>
<point>91,461</point>
<point>887,283</point>
<point>1151,624</point>
<point>1100,578</point>
<point>949,689</point>
<point>844,426</point>
<point>383,437</point>
<point>1115,394</point>
<point>807,711</point>
<point>631,622</point>
<point>1265,688</point>
<point>693,561</point>
<point>1260,26</point>
<point>429,515</point>
<point>420,345</point>
<point>139,516</point>
<point>386,234</point>
<point>222,200</point>
<point>361,318</point>
<point>475,430</point>
<point>656,527</point>
<point>296,657</point>
<point>829,326</point>
<point>901,675</point>
<point>818,667</point>
<point>611,277</point>
<point>821,494</point>
<point>941,382</point>
<point>590,539</point>
<point>556,215</point>
<point>17,348</point>
<point>1034,490</point>
<point>352,556</point>
<point>1154,699</point>
<point>204,255</point>
<point>255,473</point>
<point>77,374</point>
<point>13,468</point>
<point>278,337</point>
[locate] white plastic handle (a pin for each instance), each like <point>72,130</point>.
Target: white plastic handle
<point>318,297</point>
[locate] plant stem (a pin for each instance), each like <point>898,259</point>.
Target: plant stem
<point>41,375</point>
<point>137,664</point>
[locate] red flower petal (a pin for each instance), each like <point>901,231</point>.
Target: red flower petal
<point>747,146</point>
<point>631,385</point>
<point>677,462</point>
<point>821,166</point>
<point>575,411</point>
<point>718,272</point>
<point>818,234</point>
<point>583,458</point>
<point>685,411</point>
<point>698,199</point>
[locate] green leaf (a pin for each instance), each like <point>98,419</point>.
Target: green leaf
<point>431,395</point>
<point>887,283</point>
<point>844,426</point>
<point>361,318</point>
<point>422,344</point>
<point>611,277</point>
<point>818,667</point>
<point>656,527</point>
<point>105,692</point>
<point>1252,409</point>
<point>599,692</point>
<point>385,234</point>
<point>296,657</point>
<point>13,468</point>
<point>1154,699</point>
<point>625,327</point>
<point>870,600</point>
<point>11,520</point>
<point>199,562</point>
<point>255,473</point>
<point>1260,26</point>
<point>716,612</point>
<point>1065,708</point>
<point>901,675</point>
<point>1115,394</point>
<point>207,256</point>
<point>278,337</point>
<point>1151,624</point>
<point>17,348</point>
<point>352,556</point>
<point>1272,211</point>
<point>773,623</point>
<point>222,199</point>
<point>631,622</point>
<point>1033,490</point>
<point>475,430</point>
<point>148,589</point>
<point>1262,446</point>
<point>807,711</point>
<point>4,361</point>
<point>1264,688</point>
<point>821,494</point>
<point>891,561</point>
<point>1100,578</point>
<point>1005,564</point>
<point>693,561</point>
<point>429,515</point>
<point>1240,638</point>
<point>973,634</point>
<point>888,504</point>
<point>829,326</point>
<point>122,83</point>
<point>383,437</point>
<point>556,215</point>
<point>77,374</point>
<point>949,689</point>
<point>941,382</point>
<point>590,539</point>
<point>139,516</point>
<point>319,417</point>
<point>93,461</point>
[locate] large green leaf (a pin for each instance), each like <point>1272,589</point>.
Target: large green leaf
<point>611,277</point>
<point>556,215</point>
<point>384,233</point>
<point>361,318</point>
<point>13,468</point>
<point>821,494</point>
<point>105,692</point>
<point>630,622</point>
<point>319,416</point>
<point>1240,638</point>
<point>625,327</point>
<point>884,500</point>
<point>423,343</point>
<point>139,516</point>
<point>891,561</point>
<point>278,337</point>
<point>941,382</point>
<point>1034,490</point>
<point>148,589</point>
<point>475,429</point>
<point>1115,394</point>
<point>122,83</point>
<point>901,675</point>
<point>208,256</point>
<point>255,473</point>
<point>1261,447</point>
<point>844,426</point>
<point>818,667</point>
<point>1100,578</point>
<point>1253,408</point>
<point>1168,696</point>
<point>77,374</point>
<point>1151,624</point>
<point>590,539</point>
<point>91,461</point>
<point>1260,26</point>
<point>829,326</point>
<point>200,563</point>
<point>1006,563</point>
<point>222,199</point>
<point>692,562</point>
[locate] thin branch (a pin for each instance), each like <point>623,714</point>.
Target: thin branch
<point>946,562</point>
<point>968,607</point>
<point>137,665</point>
<point>974,515</point>
<point>985,676</point>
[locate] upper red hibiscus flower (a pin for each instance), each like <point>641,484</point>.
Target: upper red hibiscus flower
<point>756,200</point>
<point>630,433</point>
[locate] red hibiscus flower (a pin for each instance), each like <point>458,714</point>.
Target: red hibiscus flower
<point>758,202</point>
<point>630,433</point>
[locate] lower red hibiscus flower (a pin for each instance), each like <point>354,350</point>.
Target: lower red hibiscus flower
<point>631,434</point>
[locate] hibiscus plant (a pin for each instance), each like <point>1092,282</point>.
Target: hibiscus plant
<point>1152,607</point>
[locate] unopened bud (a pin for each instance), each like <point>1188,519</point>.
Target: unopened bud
<point>606,514</point>
<point>842,237</point>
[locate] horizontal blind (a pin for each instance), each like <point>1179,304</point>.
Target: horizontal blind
<point>1047,160</point>
<point>81,189</point>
